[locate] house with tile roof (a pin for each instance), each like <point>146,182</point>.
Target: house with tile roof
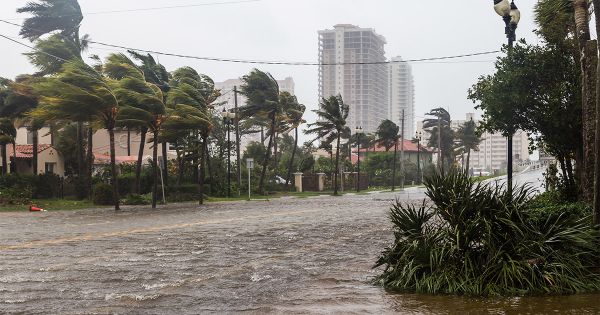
<point>20,159</point>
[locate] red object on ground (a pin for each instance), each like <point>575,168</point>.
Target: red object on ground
<point>35,208</point>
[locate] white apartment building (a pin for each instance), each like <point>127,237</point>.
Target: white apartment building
<point>364,87</point>
<point>228,101</point>
<point>402,95</point>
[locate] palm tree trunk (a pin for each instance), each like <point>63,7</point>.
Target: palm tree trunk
<point>138,165</point>
<point>90,160</point>
<point>179,166</point>
<point>80,162</point>
<point>128,141</point>
<point>4,162</point>
<point>14,161</point>
<point>468,159</point>
<point>165,169</point>
<point>113,168</point>
<point>195,159</point>
<point>597,122</point>
<point>275,158</point>
<point>289,174</point>
<point>154,168</point>
<point>202,171</point>
<point>34,161</point>
<point>209,166</point>
<point>394,166</point>
<point>337,166</point>
<point>261,185</point>
<point>589,117</point>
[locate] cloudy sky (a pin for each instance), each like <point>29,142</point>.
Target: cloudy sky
<point>287,30</point>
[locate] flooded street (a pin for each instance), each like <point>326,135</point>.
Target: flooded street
<point>288,256</point>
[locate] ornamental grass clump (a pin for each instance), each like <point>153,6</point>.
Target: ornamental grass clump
<point>479,239</point>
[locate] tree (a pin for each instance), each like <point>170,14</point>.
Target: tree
<point>262,93</point>
<point>330,127</point>
<point>78,91</point>
<point>291,119</point>
<point>141,103</point>
<point>8,133</point>
<point>467,139</point>
<point>441,135</point>
<point>388,135</point>
<point>195,93</point>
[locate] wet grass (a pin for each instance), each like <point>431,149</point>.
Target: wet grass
<point>52,205</point>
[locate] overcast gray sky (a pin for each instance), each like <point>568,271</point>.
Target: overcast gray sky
<point>287,30</point>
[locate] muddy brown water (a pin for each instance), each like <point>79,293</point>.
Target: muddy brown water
<point>286,256</point>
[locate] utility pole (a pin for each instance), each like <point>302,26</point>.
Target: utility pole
<point>237,140</point>
<point>402,153</point>
<point>440,164</point>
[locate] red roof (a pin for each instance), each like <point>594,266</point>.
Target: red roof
<point>25,151</point>
<point>409,146</point>
<point>105,159</point>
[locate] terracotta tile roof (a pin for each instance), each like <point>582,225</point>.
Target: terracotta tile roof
<point>105,159</point>
<point>25,151</point>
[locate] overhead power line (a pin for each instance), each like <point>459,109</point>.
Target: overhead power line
<point>155,8</point>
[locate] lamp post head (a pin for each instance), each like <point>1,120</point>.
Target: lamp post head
<point>358,130</point>
<point>515,14</point>
<point>502,7</point>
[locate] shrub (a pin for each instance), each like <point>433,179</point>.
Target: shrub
<point>46,186</point>
<point>126,184</point>
<point>103,194</point>
<point>134,199</point>
<point>179,193</point>
<point>478,239</point>
<point>15,196</point>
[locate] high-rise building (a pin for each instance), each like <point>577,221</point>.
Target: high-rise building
<point>402,96</point>
<point>364,87</point>
<point>227,100</point>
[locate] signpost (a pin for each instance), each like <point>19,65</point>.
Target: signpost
<point>249,166</point>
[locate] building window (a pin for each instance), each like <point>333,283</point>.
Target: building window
<point>49,168</point>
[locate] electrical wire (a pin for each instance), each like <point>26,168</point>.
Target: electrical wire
<point>153,8</point>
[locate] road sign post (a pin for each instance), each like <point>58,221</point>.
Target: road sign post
<point>249,166</point>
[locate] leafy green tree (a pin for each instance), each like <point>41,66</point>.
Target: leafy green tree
<point>388,135</point>
<point>330,127</point>
<point>467,139</point>
<point>262,93</point>
<point>8,133</point>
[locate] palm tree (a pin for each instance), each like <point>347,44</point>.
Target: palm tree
<point>79,91</point>
<point>388,135</point>
<point>291,119</point>
<point>8,133</point>
<point>330,126</point>
<point>442,136</point>
<point>467,139</point>
<point>262,93</point>
<point>142,103</point>
<point>158,75</point>
<point>190,89</point>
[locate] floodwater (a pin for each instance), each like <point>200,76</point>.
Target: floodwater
<point>285,256</point>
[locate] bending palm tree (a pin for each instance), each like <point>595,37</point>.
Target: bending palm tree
<point>388,136</point>
<point>293,112</point>
<point>77,91</point>
<point>330,127</point>
<point>441,134</point>
<point>262,92</point>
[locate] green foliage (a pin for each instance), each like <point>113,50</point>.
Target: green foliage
<point>388,134</point>
<point>180,193</point>
<point>134,200</point>
<point>103,194</point>
<point>478,239</point>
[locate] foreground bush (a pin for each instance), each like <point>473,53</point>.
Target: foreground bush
<point>479,240</point>
<point>103,194</point>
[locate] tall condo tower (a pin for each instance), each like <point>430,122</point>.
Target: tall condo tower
<point>402,95</point>
<point>343,53</point>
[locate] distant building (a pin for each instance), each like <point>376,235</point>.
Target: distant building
<point>402,96</point>
<point>20,159</point>
<point>228,101</point>
<point>364,87</point>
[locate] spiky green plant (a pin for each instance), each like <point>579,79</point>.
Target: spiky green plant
<point>478,239</point>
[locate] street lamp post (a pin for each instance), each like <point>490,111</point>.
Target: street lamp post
<point>228,120</point>
<point>359,131</point>
<point>511,16</point>
<point>418,137</point>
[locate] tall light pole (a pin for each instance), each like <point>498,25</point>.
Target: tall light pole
<point>418,137</point>
<point>228,118</point>
<point>511,16</point>
<point>359,132</point>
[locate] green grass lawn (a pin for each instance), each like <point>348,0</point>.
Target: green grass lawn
<point>52,205</point>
